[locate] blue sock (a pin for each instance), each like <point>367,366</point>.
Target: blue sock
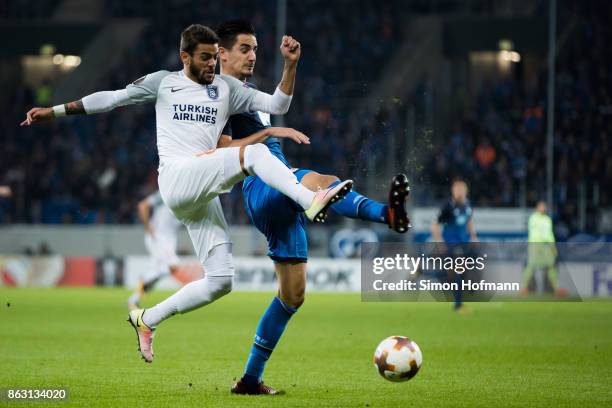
<point>459,292</point>
<point>354,205</point>
<point>270,329</point>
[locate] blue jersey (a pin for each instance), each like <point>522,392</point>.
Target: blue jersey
<point>455,217</point>
<point>274,214</point>
<point>245,124</point>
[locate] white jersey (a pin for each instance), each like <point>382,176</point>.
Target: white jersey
<point>190,116</point>
<point>164,223</point>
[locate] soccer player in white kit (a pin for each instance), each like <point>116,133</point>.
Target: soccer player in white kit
<point>161,227</point>
<point>192,107</point>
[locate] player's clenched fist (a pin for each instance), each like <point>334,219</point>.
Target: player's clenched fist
<point>38,115</point>
<point>290,48</point>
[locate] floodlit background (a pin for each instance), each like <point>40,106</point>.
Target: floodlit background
<point>515,97</point>
<point>435,89</point>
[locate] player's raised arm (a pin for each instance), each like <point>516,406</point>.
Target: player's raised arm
<point>142,90</point>
<point>291,51</point>
<point>279,102</point>
<point>244,98</point>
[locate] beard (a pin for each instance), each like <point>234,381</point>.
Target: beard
<point>200,75</point>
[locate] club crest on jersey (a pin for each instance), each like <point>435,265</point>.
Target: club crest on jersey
<point>213,91</point>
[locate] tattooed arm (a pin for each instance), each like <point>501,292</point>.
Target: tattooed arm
<point>74,108</point>
<point>95,103</point>
<point>142,90</point>
<point>36,115</point>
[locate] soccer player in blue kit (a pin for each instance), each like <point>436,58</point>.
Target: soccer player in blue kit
<point>456,218</point>
<point>278,218</point>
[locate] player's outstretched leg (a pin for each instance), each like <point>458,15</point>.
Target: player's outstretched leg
<point>217,283</point>
<point>257,160</point>
<point>355,205</point>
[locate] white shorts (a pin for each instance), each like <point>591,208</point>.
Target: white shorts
<point>163,254</point>
<point>190,187</point>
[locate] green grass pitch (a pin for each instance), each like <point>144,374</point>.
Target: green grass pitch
<point>501,354</point>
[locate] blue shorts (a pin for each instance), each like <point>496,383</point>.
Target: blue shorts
<point>278,217</point>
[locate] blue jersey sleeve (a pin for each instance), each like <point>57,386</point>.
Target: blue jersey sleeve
<point>227,130</point>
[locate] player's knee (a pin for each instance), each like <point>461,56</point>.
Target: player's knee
<point>227,286</point>
<point>253,154</point>
<point>258,150</point>
<point>220,275</point>
<point>222,285</point>
<point>299,301</point>
<point>296,299</point>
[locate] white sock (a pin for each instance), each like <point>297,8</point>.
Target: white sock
<point>198,293</point>
<point>191,296</point>
<point>260,162</point>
